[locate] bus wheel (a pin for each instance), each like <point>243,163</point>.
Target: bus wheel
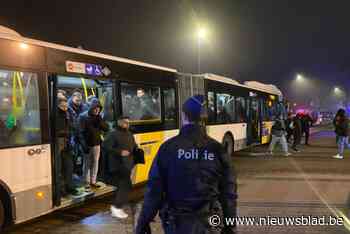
<point>228,144</point>
<point>2,216</point>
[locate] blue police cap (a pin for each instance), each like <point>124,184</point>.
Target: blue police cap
<point>194,105</point>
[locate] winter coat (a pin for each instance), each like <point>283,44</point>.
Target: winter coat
<point>91,126</point>
<point>342,126</point>
<point>116,141</point>
<point>279,128</point>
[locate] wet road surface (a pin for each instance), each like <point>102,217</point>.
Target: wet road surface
<point>307,183</point>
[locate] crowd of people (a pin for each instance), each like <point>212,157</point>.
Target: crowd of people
<point>290,131</point>
<point>80,127</point>
<point>80,143</point>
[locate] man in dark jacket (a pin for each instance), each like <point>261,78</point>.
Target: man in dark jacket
<point>63,128</point>
<point>306,123</point>
<point>120,145</point>
<point>143,106</point>
<point>190,180</point>
<point>288,124</point>
<point>278,133</point>
<point>341,123</point>
<point>297,131</point>
<point>75,108</point>
<point>91,127</point>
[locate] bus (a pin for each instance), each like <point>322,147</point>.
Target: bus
<point>32,75</point>
<point>239,115</point>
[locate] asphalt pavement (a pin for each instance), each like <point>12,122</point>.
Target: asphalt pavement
<point>309,184</point>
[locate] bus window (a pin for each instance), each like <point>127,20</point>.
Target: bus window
<point>19,109</point>
<point>240,110</point>
<point>211,107</point>
<point>141,104</point>
<point>169,107</point>
<point>105,95</point>
<point>225,108</point>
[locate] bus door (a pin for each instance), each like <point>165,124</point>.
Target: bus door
<point>253,121</point>
<point>68,147</point>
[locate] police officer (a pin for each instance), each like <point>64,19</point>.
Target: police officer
<point>190,180</point>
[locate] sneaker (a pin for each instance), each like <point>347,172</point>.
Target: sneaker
<point>87,188</point>
<point>118,213</point>
<point>338,156</point>
<point>296,150</point>
<point>75,192</point>
<point>96,186</point>
<point>287,154</point>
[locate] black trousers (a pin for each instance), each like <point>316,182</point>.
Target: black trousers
<point>65,166</point>
<point>296,140</point>
<point>123,183</point>
<point>67,170</point>
<point>307,135</point>
<point>289,134</point>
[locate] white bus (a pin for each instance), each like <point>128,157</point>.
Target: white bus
<point>31,74</point>
<point>239,115</point>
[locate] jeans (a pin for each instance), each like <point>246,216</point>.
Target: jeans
<point>279,139</point>
<point>342,142</point>
<point>91,164</point>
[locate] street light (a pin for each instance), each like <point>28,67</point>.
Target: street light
<point>299,78</point>
<point>201,35</point>
<point>337,90</point>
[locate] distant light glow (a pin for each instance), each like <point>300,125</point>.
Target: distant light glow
<point>24,46</point>
<point>294,104</point>
<point>201,33</point>
<point>299,77</point>
<point>336,89</point>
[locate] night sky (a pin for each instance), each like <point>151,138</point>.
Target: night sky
<point>264,40</point>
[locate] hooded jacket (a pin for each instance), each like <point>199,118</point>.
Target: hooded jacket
<point>74,111</point>
<point>91,125</point>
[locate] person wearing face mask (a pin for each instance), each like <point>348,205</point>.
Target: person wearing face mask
<point>120,146</point>
<point>91,128</point>
<point>63,126</point>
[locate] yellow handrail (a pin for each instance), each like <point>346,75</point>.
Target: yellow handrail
<point>85,89</point>
<point>17,109</point>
